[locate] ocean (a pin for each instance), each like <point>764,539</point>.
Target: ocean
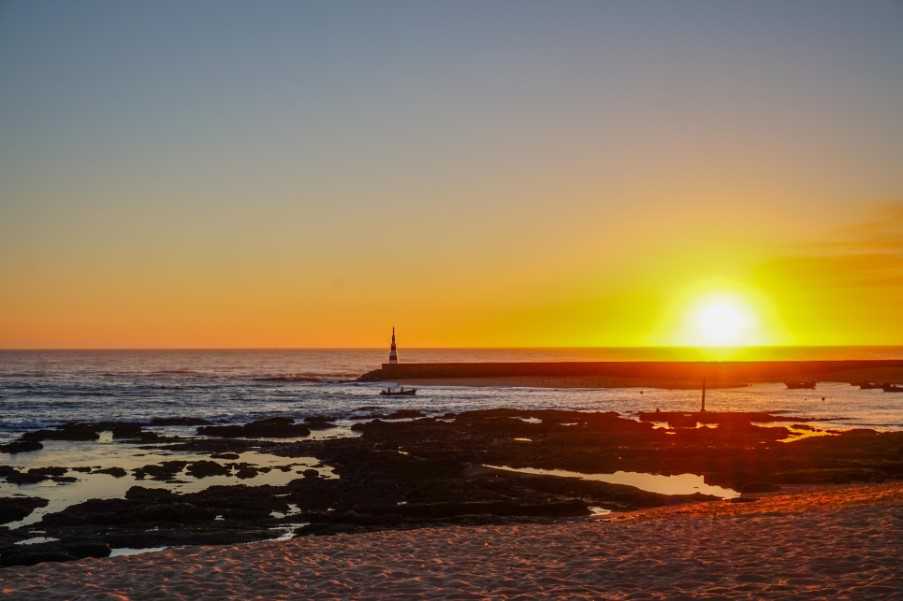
<point>45,388</point>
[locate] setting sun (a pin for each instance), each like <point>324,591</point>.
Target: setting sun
<point>722,320</point>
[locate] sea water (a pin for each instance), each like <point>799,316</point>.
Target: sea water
<point>44,388</point>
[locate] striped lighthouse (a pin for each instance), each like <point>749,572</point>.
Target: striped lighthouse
<point>393,352</point>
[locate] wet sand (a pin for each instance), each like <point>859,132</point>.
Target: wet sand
<point>830,542</point>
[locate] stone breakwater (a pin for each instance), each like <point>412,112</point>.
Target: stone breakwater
<point>676,374</point>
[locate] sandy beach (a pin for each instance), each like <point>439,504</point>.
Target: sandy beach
<point>829,542</point>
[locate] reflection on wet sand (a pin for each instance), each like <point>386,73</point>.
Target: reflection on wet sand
<point>282,470</point>
<point>683,484</point>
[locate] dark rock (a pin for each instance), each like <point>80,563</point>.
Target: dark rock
<point>245,471</point>
<point>406,414</point>
<point>16,508</point>
<point>26,555</point>
<point>210,446</point>
<point>87,549</point>
<point>72,431</point>
<point>202,469</point>
<point>154,495</point>
<point>679,420</point>
<point>326,529</point>
<point>275,427</point>
<point>34,475</point>
<point>21,446</point>
<point>122,429</point>
<point>92,511</point>
<point>163,471</point>
<point>230,456</point>
<point>106,513</point>
<point>311,473</point>
<point>318,422</point>
<point>177,513</point>
<point>79,431</point>
<point>116,472</point>
<point>29,555</point>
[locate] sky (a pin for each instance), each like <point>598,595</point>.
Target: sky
<point>480,174</point>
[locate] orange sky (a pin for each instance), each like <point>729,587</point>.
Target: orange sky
<point>563,287</point>
<point>548,178</point>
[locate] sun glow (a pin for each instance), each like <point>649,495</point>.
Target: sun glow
<point>722,320</point>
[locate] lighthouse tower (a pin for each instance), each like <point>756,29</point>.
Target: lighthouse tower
<point>393,352</point>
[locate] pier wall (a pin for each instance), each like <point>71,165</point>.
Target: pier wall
<point>642,373</point>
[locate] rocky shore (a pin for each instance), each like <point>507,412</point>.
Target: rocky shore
<point>407,470</point>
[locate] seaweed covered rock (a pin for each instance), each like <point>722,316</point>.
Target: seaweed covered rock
<point>26,555</point>
<point>88,431</point>
<point>35,475</point>
<point>166,470</point>
<point>73,431</point>
<point>21,446</point>
<point>17,508</point>
<point>202,469</point>
<point>115,471</point>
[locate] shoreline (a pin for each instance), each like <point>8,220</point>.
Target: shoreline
<point>227,484</point>
<point>781,546</point>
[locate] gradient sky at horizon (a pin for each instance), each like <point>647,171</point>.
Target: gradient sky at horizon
<point>234,174</point>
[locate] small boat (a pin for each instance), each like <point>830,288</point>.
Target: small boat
<point>399,391</point>
<point>800,385</point>
<point>892,388</point>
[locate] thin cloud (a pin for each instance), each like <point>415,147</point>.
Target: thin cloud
<point>881,233</point>
<point>865,254</point>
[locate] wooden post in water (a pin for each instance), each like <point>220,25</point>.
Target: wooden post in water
<point>702,407</point>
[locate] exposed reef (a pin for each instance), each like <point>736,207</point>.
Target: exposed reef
<point>414,471</point>
<point>16,508</point>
